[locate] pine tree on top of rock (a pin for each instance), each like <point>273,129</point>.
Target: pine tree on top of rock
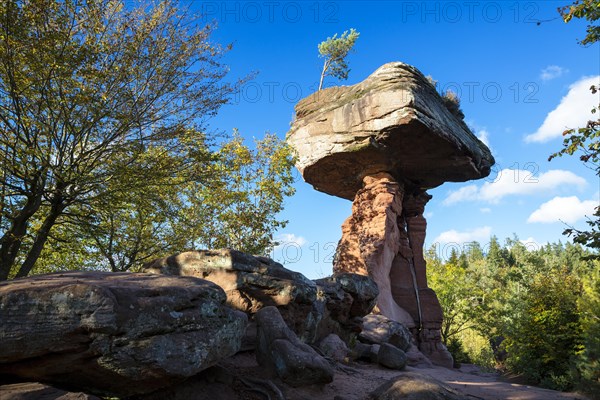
<point>334,50</point>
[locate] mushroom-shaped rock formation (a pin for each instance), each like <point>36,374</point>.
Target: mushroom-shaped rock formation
<point>382,143</point>
<point>395,122</point>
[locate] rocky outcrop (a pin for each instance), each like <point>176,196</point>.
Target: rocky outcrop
<point>214,383</point>
<point>371,238</point>
<point>365,352</point>
<point>378,329</point>
<point>334,347</point>
<point>250,284</point>
<point>384,238</point>
<point>280,351</point>
<point>415,358</point>
<point>414,386</point>
<point>394,121</point>
<point>312,310</point>
<point>344,298</point>
<point>115,334</point>
<point>38,391</point>
<point>382,143</point>
<point>391,357</point>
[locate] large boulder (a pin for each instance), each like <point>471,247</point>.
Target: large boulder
<point>282,353</point>
<point>380,329</point>
<point>250,284</point>
<point>414,386</point>
<point>334,347</point>
<point>114,334</point>
<point>311,309</point>
<point>38,391</point>
<point>394,121</point>
<point>344,299</point>
<point>391,357</point>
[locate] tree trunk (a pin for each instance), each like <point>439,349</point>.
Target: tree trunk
<point>10,244</point>
<point>325,68</point>
<point>40,239</point>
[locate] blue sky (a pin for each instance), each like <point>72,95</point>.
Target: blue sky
<point>521,84</point>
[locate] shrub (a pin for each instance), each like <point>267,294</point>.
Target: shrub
<point>452,103</point>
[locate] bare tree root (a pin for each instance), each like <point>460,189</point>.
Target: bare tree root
<point>258,385</point>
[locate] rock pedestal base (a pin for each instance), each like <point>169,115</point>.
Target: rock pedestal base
<point>383,238</point>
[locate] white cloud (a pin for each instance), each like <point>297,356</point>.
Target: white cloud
<point>484,136</point>
<point>531,244</point>
<point>288,249</point>
<point>469,192</point>
<point>566,209</point>
<point>524,182</point>
<point>573,111</point>
<point>453,236</point>
<point>287,238</point>
<point>552,72</point>
<point>517,182</point>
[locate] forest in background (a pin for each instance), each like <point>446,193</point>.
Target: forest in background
<point>530,311</point>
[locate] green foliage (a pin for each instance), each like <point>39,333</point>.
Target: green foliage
<point>104,160</point>
<point>243,202</point>
<point>585,139</point>
<point>460,356</point>
<point>590,238</point>
<point>588,355</point>
<point>478,349</point>
<point>458,299</point>
<point>334,50</point>
<point>539,307</point>
<point>542,341</point>
<point>584,9</point>
<point>229,197</point>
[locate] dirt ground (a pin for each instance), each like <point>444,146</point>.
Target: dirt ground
<point>356,381</point>
<point>470,380</point>
<point>233,381</point>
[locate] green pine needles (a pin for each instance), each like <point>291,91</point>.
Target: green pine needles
<point>334,50</point>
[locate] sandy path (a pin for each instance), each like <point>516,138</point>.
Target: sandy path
<point>471,381</point>
<point>357,381</point>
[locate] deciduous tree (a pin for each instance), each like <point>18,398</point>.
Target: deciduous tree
<point>585,139</point>
<point>87,88</point>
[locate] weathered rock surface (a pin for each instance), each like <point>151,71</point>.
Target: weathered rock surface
<point>364,352</point>
<point>371,239</point>
<point>334,347</point>
<point>414,386</point>
<point>114,333</point>
<point>417,359</point>
<point>382,143</point>
<point>311,309</point>
<point>344,299</point>
<point>280,351</point>
<point>384,238</point>
<point>250,283</point>
<point>394,121</point>
<point>380,329</point>
<point>38,391</point>
<point>391,357</point>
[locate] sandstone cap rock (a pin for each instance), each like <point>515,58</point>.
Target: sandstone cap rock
<point>395,122</point>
